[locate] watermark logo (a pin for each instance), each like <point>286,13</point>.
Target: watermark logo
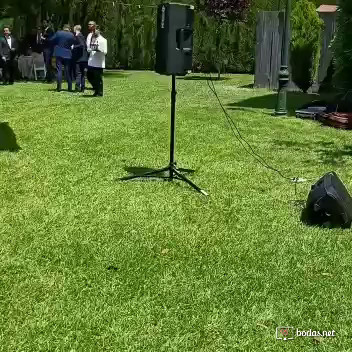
<point>289,333</point>
<point>285,333</point>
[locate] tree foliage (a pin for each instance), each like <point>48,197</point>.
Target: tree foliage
<point>227,9</point>
<point>131,30</point>
<point>342,46</point>
<point>305,44</point>
<point>224,12</point>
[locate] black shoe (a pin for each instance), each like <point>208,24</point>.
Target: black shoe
<point>11,83</point>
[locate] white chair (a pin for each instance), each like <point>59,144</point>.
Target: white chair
<point>38,65</point>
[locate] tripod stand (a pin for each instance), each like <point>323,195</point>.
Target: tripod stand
<point>174,172</point>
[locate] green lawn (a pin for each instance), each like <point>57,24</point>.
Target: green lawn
<point>89,263</point>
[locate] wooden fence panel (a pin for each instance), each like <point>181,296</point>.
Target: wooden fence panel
<point>270,25</point>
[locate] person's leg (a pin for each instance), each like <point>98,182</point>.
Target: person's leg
<point>78,76</point>
<point>48,60</point>
<point>12,70</point>
<point>59,73</point>
<point>6,72</point>
<point>93,78</point>
<point>45,56</point>
<point>73,70</point>
<point>90,76</point>
<point>2,65</point>
<point>96,80</point>
<point>50,66</point>
<point>68,73</point>
<point>83,68</point>
<point>5,76</point>
<point>100,87</point>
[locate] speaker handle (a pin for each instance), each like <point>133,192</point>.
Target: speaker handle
<point>180,36</point>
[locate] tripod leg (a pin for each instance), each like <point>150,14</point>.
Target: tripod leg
<point>184,178</point>
<point>146,174</point>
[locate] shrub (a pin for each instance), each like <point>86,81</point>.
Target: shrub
<point>305,44</point>
<point>342,46</point>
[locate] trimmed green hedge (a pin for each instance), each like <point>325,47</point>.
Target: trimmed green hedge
<point>131,32</point>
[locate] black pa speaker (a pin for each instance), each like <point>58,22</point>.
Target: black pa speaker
<point>329,203</point>
<point>174,41</point>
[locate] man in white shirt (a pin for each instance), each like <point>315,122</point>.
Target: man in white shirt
<point>92,26</point>
<point>97,49</point>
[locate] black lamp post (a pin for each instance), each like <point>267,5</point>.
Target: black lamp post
<point>284,74</point>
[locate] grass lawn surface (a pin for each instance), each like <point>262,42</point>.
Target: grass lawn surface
<point>89,263</point>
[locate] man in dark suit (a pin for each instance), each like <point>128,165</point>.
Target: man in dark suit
<point>8,54</point>
<point>79,58</point>
<point>32,42</point>
<point>63,42</point>
<point>46,36</point>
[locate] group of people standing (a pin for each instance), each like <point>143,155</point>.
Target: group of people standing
<point>74,54</point>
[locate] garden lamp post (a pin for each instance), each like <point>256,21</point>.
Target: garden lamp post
<point>284,74</point>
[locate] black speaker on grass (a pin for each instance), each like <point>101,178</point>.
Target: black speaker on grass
<point>329,203</point>
<point>174,41</point>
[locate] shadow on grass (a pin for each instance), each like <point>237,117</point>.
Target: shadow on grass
<point>203,78</point>
<point>294,101</point>
<point>137,171</point>
<point>61,91</point>
<point>116,74</point>
<point>248,86</point>
<point>139,174</point>
<point>328,152</point>
<point>302,145</point>
<point>88,96</point>
<point>335,156</point>
<point>8,140</point>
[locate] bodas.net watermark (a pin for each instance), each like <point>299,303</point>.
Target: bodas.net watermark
<point>286,333</point>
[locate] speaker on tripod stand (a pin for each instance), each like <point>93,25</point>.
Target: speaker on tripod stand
<point>174,47</point>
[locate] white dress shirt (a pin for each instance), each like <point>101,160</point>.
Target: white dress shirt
<point>97,58</point>
<point>9,41</point>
